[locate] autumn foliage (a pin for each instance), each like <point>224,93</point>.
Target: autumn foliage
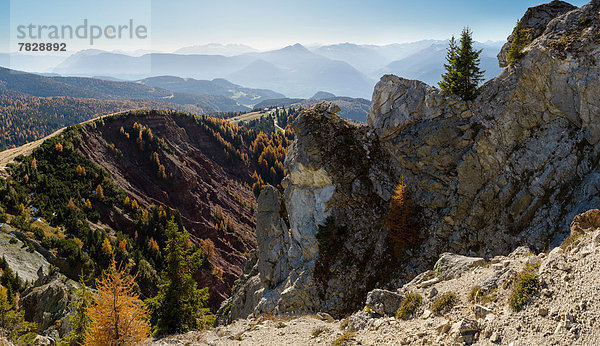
<point>118,316</point>
<point>402,231</point>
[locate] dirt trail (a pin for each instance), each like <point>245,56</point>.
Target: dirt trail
<point>7,156</point>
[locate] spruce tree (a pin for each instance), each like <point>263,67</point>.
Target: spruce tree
<point>463,74</point>
<point>450,79</point>
<point>179,305</point>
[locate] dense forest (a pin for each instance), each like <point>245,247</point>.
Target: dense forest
<point>26,118</point>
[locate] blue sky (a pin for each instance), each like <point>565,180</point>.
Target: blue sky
<point>266,24</point>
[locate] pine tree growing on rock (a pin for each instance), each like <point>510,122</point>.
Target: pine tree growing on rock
<point>180,305</point>
<point>463,74</point>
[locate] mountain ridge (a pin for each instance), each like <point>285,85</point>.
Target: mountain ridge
<point>483,177</point>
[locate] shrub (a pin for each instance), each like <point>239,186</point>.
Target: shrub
<point>13,323</point>
<point>444,303</point>
<point>527,285</point>
<point>331,242</point>
<point>520,40</point>
<point>344,339</point>
<point>38,233</point>
<point>584,21</point>
<point>478,296</point>
<point>409,305</point>
<point>570,240</point>
<point>398,219</point>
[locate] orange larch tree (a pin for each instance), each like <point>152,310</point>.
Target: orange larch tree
<point>118,316</point>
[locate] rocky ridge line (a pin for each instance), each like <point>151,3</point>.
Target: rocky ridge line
<point>507,169</point>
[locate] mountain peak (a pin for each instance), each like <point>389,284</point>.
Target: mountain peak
<point>295,48</point>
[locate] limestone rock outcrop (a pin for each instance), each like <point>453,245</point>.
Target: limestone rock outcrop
<point>510,168</point>
<point>48,302</point>
<point>534,23</point>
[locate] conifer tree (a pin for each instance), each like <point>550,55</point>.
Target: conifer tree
<point>118,316</point>
<point>180,305</point>
<point>80,320</point>
<point>12,321</point>
<point>463,74</point>
<point>519,41</point>
<point>450,79</point>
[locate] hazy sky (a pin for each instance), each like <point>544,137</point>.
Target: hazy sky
<point>266,24</point>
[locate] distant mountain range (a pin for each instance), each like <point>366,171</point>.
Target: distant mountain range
<point>343,69</point>
<point>355,109</point>
<point>427,65</point>
<point>211,96</point>
<point>217,49</point>
<point>222,87</point>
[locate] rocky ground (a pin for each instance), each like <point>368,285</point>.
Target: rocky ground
<point>563,309</point>
<point>25,263</point>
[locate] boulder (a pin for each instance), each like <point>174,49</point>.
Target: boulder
<point>383,302</point>
<point>465,330</point>
<point>450,265</point>
<point>49,303</point>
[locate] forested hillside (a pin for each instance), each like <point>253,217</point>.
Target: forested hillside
<point>26,118</point>
<point>116,182</point>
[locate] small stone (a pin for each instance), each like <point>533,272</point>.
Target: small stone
<point>543,312</point>
<point>546,292</point>
<point>444,328</point>
<point>428,283</point>
<point>596,238</point>
<point>481,311</point>
<point>377,324</point>
<point>433,292</point>
<point>495,337</point>
<point>564,266</point>
<point>558,328</point>
<point>497,266</point>
<point>426,314</point>
<point>325,317</point>
<point>568,321</point>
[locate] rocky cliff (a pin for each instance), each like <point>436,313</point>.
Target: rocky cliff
<point>510,168</point>
<point>461,301</point>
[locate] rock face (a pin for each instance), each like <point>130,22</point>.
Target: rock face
<point>20,259</point>
<point>48,303</point>
<point>562,310</point>
<point>534,22</point>
<point>451,265</point>
<point>510,168</point>
<point>329,164</point>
